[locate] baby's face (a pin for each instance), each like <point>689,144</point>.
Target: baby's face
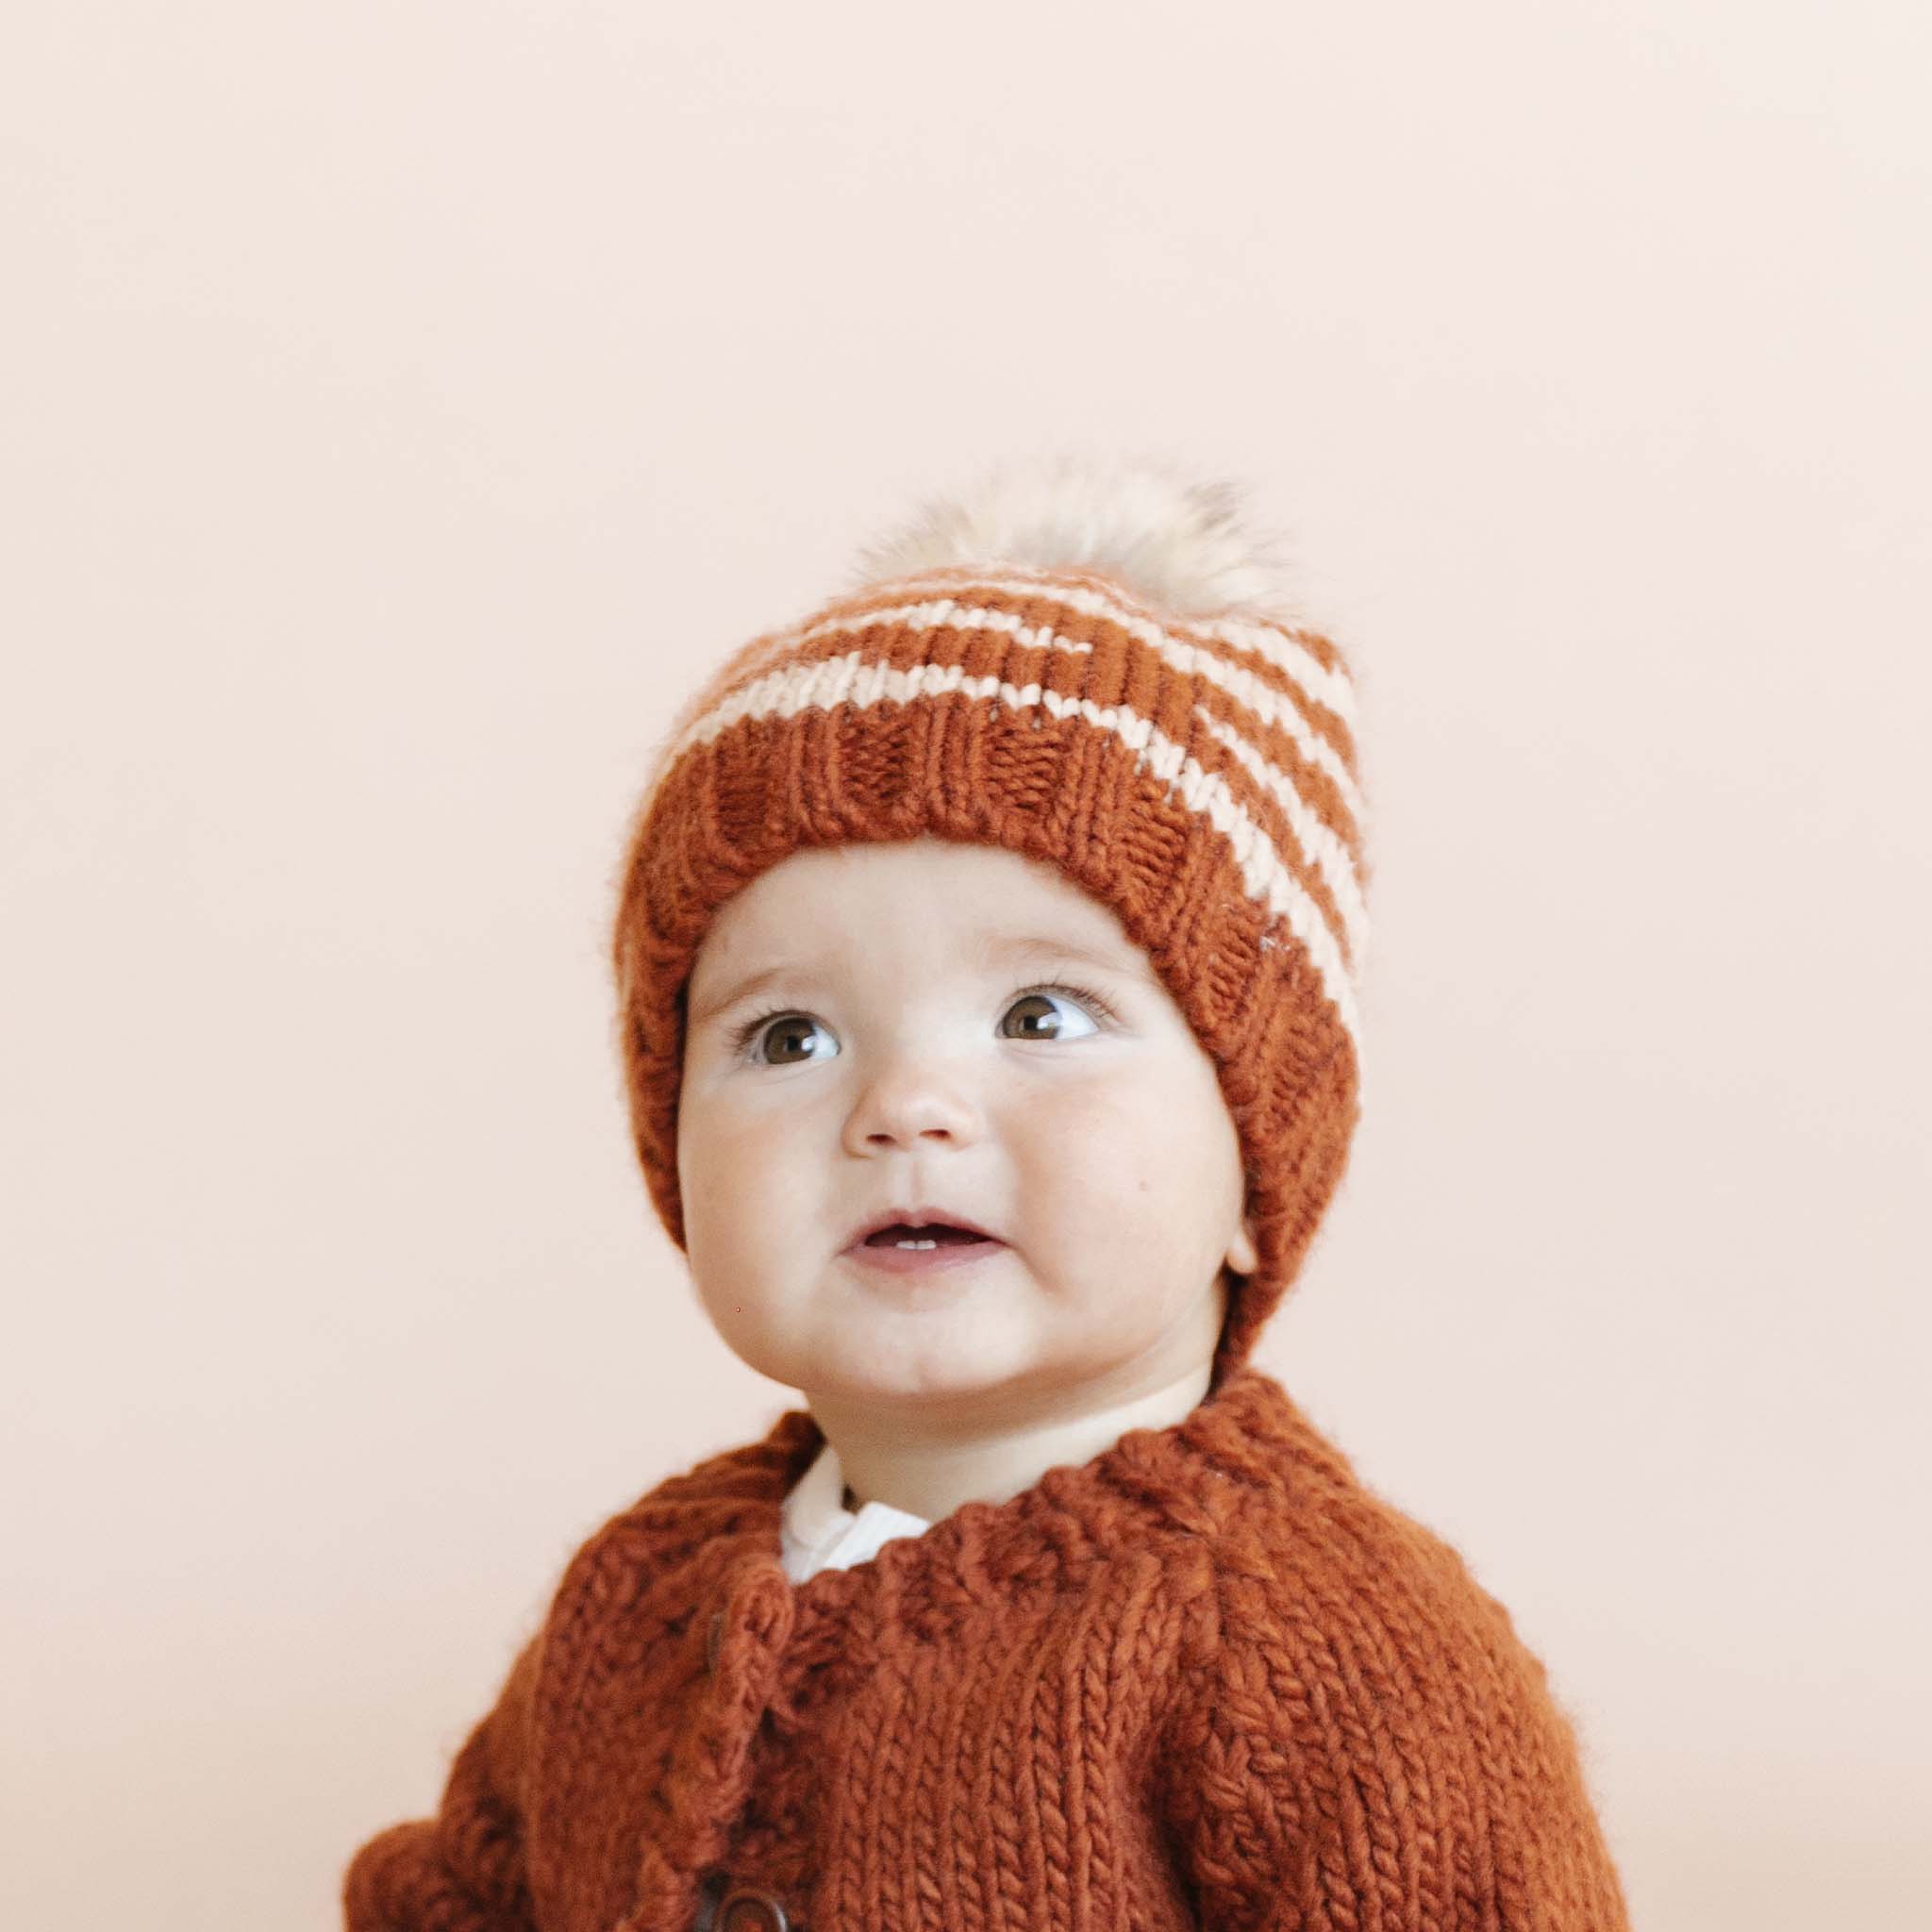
<point>909,1049</point>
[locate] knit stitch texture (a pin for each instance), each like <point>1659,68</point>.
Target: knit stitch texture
<point>1207,1680</point>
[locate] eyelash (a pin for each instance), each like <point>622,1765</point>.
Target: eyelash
<point>742,1040</point>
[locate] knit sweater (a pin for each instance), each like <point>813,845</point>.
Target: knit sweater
<point>1207,1680</point>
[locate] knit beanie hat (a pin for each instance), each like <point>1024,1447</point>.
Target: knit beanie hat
<point>1093,663</point>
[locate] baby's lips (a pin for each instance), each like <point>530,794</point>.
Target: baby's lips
<point>944,1231</point>
<point>916,1217</point>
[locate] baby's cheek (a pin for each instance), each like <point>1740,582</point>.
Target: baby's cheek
<point>1100,1217</point>
<point>1126,1162</point>
<point>1130,1206</point>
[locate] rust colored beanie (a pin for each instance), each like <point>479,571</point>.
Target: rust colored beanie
<point>1093,663</point>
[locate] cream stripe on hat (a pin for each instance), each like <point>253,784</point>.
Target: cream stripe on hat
<point>1248,690</point>
<point>1285,646</point>
<point>1318,842</point>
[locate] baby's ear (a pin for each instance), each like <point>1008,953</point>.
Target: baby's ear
<point>1242,1255</point>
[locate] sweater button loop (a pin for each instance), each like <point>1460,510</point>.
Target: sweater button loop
<point>713,1639</point>
<point>747,1908</point>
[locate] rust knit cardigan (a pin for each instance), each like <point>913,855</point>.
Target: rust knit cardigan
<point>1207,1678</point>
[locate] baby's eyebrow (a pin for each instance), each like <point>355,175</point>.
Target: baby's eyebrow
<point>1001,946</point>
<point>723,1002</point>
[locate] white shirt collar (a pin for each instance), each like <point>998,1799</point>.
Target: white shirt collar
<point>820,1533</point>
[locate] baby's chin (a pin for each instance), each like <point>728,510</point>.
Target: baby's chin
<point>913,1371</point>
<point>986,1381</point>
<point>861,1357</point>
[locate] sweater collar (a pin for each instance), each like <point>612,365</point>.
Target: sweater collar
<point>1246,1435</point>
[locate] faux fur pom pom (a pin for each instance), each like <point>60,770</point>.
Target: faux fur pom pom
<point>1182,541</point>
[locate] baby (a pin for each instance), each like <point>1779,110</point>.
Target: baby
<point>986,946</point>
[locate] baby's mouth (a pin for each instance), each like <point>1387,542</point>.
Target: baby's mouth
<point>937,1233</point>
<point>916,1251</point>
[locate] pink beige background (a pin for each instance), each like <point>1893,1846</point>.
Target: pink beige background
<point>403,403</point>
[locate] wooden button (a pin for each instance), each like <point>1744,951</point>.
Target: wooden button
<point>749,1908</point>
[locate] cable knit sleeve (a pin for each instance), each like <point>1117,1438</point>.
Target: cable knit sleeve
<point>1369,1742</point>
<point>461,1870</point>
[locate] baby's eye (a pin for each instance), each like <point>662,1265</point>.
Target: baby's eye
<point>782,1026</point>
<point>774,1027</point>
<point>1074,996</point>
